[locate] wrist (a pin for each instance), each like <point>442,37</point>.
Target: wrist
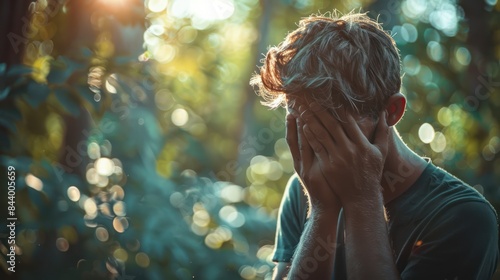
<point>321,210</point>
<point>366,195</point>
<point>366,204</point>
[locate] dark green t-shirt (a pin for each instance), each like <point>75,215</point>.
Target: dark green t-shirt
<point>440,228</point>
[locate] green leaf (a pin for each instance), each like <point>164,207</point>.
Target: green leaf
<point>21,163</point>
<point>122,60</point>
<point>4,93</point>
<point>58,76</point>
<point>71,65</point>
<point>9,125</point>
<point>11,114</point>
<point>36,94</point>
<point>87,95</point>
<point>67,101</point>
<point>3,67</point>
<point>18,70</point>
<point>86,52</point>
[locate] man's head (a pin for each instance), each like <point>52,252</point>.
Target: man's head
<point>346,62</point>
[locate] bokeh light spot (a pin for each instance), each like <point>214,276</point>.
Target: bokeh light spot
<point>120,254</point>
<point>92,176</point>
<point>157,5</point>
<point>445,18</point>
<point>201,218</point>
<point>117,192</point>
<point>248,272</point>
<point>164,53</point>
<point>414,8</point>
<point>463,56</point>
<point>231,215</point>
<point>142,259</point>
<point>34,182</point>
<point>213,241</point>
<point>445,116</point>
<point>265,252</point>
<point>187,35</point>
<point>119,208</point>
<point>177,199</point>
<point>180,117</point>
<point>120,224</point>
<point>232,193</point>
<point>90,207</point>
<point>73,193</point>
<point>438,144</point>
<point>62,244</point>
<point>101,234</point>
<point>488,152</point>
<point>109,84</point>
<point>104,166</point>
<point>411,34</point>
<point>201,231</point>
<point>93,150</point>
<point>411,65</point>
<point>164,100</point>
<point>435,51</point>
<point>426,133</point>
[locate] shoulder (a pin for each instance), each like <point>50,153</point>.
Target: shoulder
<point>291,220</point>
<point>460,240</point>
<point>294,192</point>
<point>458,220</point>
<point>471,219</point>
<point>294,182</point>
<point>441,192</point>
<point>478,217</point>
<point>456,201</point>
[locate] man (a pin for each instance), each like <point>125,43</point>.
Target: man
<point>368,207</point>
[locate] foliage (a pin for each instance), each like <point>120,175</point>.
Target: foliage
<point>153,158</point>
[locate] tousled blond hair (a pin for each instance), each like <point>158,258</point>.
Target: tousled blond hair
<point>336,61</point>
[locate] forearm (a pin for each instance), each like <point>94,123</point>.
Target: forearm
<point>314,258</point>
<point>368,249</point>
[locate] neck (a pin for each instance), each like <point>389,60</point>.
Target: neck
<point>402,168</point>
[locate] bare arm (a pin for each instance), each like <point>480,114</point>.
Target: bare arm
<point>315,254</point>
<point>314,257</point>
<point>368,250</point>
<point>353,168</point>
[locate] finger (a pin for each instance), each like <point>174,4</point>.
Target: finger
<point>382,133</point>
<point>320,140</point>
<point>292,140</point>
<point>313,141</point>
<point>306,152</point>
<point>321,154</point>
<point>333,126</point>
<point>318,148</point>
<point>354,132</point>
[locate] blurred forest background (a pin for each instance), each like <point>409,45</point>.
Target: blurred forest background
<point>141,152</point>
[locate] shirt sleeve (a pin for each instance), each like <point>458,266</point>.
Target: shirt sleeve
<point>291,219</point>
<point>461,244</point>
